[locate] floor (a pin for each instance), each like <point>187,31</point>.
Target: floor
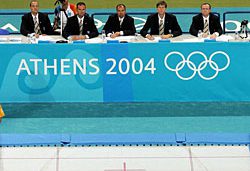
<point>139,158</point>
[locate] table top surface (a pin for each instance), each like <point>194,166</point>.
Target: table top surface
<point>15,39</point>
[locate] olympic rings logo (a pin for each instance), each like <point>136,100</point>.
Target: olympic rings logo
<point>197,69</point>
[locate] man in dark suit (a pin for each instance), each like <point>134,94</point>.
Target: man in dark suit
<point>119,24</point>
<point>35,22</point>
<point>208,23</point>
<point>80,26</point>
<point>161,23</point>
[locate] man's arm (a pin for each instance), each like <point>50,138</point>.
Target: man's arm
<point>176,28</point>
<point>67,30</point>
<point>108,26</point>
<point>131,28</point>
<point>24,26</point>
<point>146,27</point>
<point>193,28</point>
<point>218,27</point>
<point>56,18</point>
<point>48,27</point>
<point>93,29</point>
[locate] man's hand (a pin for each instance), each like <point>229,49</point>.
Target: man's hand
<point>213,36</point>
<point>204,35</point>
<point>167,36</point>
<point>81,37</point>
<point>37,36</point>
<point>150,37</point>
<point>114,35</point>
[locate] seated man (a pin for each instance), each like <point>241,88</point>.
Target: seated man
<point>119,24</point>
<point>80,26</point>
<point>69,10</point>
<point>208,23</point>
<point>161,23</point>
<point>35,22</point>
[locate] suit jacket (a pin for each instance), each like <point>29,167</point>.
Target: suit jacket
<point>198,24</point>
<point>113,25</point>
<point>170,23</point>
<point>72,27</point>
<point>27,25</point>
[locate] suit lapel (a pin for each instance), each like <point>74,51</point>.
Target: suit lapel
<point>40,17</point>
<point>124,21</point>
<point>31,20</point>
<point>77,24</point>
<point>166,25</point>
<point>40,21</point>
<point>117,22</point>
<point>210,23</point>
<point>85,24</point>
<point>201,22</point>
<point>157,22</point>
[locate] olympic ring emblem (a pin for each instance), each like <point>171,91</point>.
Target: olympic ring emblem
<point>202,65</point>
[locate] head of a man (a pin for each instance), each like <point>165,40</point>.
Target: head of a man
<point>34,7</point>
<point>63,2</point>
<point>205,9</point>
<point>161,7</point>
<point>81,9</point>
<point>121,10</point>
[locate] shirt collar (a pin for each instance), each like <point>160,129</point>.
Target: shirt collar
<point>79,19</point>
<point>120,19</point>
<point>33,16</point>
<point>163,18</point>
<point>205,18</point>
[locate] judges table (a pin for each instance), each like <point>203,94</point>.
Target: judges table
<point>126,69</point>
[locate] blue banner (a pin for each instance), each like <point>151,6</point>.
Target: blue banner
<point>130,72</point>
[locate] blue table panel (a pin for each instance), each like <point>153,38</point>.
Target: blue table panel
<point>133,72</point>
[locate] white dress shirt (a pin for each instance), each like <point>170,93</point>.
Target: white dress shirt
<point>37,18</point>
<point>161,19</point>
<point>79,20</point>
<point>121,21</point>
<point>204,20</point>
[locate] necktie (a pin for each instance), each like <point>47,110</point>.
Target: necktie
<point>120,20</point>
<point>161,27</point>
<point>80,26</point>
<point>205,30</point>
<point>37,27</point>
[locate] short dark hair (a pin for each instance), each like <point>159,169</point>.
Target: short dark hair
<point>59,1</point>
<point>33,1</point>
<point>162,3</point>
<point>206,3</point>
<point>62,1</point>
<point>120,5</point>
<point>80,3</point>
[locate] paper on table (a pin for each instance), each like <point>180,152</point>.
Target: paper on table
<point>224,38</point>
<point>156,39</point>
<point>191,40</point>
<point>123,38</point>
<point>94,40</point>
<point>3,39</point>
<point>45,38</point>
<point>15,39</point>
